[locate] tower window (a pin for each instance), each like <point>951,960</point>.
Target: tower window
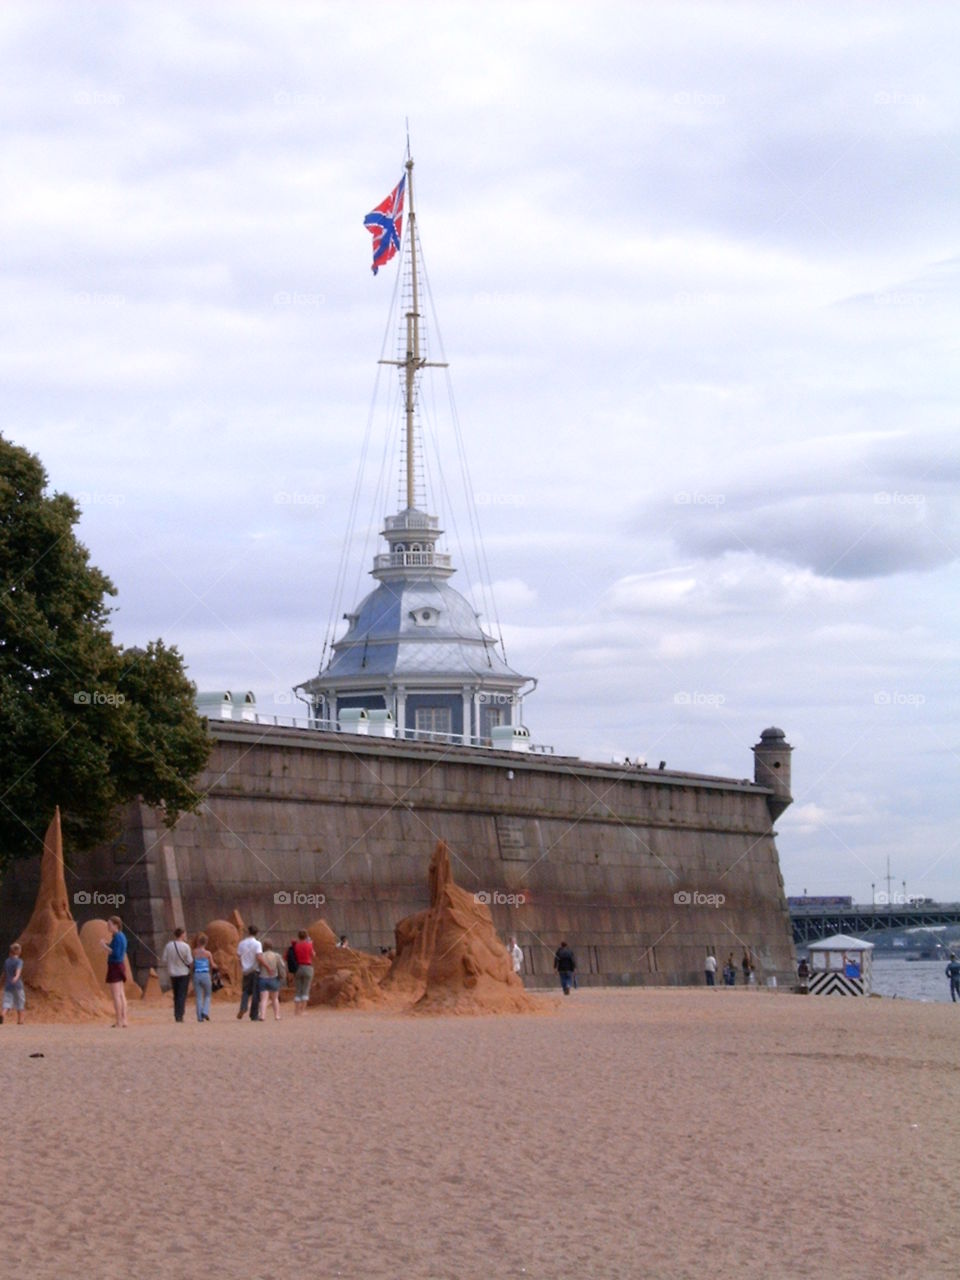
<point>490,716</point>
<point>433,720</point>
<point>425,617</point>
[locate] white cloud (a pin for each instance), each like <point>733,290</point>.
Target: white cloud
<point>697,277</point>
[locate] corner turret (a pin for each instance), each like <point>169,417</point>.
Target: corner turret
<point>771,768</point>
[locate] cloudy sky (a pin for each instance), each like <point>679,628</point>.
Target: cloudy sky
<point>696,268</point>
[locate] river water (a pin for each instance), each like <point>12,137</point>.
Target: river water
<point>911,979</point>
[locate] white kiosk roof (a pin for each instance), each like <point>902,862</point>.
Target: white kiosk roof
<point>840,942</point>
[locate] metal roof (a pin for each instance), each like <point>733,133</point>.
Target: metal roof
<point>419,627</point>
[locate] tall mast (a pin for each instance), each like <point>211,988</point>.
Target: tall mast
<point>413,333</point>
<point>412,362</point>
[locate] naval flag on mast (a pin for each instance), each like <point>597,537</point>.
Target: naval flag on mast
<point>385,224</point>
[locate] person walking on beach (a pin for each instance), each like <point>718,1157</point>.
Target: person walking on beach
<point>710,969</point>
<point>746,964</point>
<point>249,949</point>
<point>730,972</point>
<point>202,977</point>
<point>14,995</point>
<point>177,958</point>
<point>303,974</point>
<point>273,972</point>
<point>516,955</point>
<point>565,963</point>
<point>953,973</point>
<point>116,949</point>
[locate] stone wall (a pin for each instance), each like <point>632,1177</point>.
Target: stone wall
<point>594,853</point>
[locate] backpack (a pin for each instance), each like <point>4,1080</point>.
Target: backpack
<point>292,965</point>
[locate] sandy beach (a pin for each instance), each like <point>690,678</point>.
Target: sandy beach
<point>630,1133</point>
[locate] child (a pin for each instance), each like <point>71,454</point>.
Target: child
<point>14,996</point>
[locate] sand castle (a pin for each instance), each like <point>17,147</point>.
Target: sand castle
<point>61,984</point>
<point>222,939</point>
<point>342,976</point>
<point>449,958</point>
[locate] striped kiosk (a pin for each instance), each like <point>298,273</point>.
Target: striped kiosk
<point>840,966</point>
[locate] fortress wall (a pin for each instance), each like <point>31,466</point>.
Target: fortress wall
<point>564,849</point>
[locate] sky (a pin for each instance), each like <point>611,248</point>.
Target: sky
<point>696,271</point>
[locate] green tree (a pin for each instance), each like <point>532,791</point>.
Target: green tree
<point>83,723</point>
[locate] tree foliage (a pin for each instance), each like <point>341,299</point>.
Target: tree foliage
<point>83,723</point>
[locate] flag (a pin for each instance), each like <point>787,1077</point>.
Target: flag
<point>385,224</point>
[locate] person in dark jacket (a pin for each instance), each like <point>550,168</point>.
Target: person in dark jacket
<point>565,963</point>
<point>953,973</point>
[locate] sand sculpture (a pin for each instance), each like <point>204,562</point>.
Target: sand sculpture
<point>342,976</point>
<point>449,958</point>
<point>60,983</point>
<point>222,939</point>
<point>92,933</point>
<point>151,990</point>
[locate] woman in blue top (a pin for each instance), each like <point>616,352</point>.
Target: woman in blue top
<point>116,968</point>
<point>202,977</point>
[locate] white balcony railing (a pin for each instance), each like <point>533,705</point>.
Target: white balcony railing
<point>411,520</point>
<point>412,560</point>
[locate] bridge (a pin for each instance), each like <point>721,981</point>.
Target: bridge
<point>812,923</point>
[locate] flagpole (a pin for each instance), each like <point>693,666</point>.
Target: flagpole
<point>412,362</point>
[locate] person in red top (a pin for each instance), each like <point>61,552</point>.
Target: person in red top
<point>303,951</point>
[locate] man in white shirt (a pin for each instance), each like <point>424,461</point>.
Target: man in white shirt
<point>177,957</point>
<point>710,969</point>
<point>516,955</point>
<point>248,949</point>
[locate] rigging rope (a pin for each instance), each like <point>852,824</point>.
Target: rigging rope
<point>486,583</point>
<point>340,580</point>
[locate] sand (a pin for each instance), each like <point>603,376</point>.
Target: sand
<point>639,1133</point>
